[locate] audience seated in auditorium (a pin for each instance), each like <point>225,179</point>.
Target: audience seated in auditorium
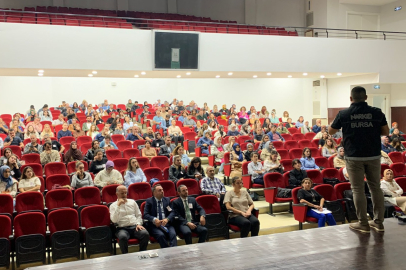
<point>134,134</point>
<point>224,110</point>
<point>266,151</point>
<point>134,173</point>
<point>274,119</point>
<point>289,123</point>
<point>14,165</point>
<point>149,135</point>
<point>3,127</point>
<point>396,135</point>
<point>175,133</point>
<point>90,155</point>
<point>285,116</point>
<point>385,159</point>
<point>305,128</point>
<point>159,141</point>
<point>397,145</point>
<point>189,122</point>
<point>296,175</point>
<point>55,144</point>
<point>258,134</point>
<point>317,127</point>
<point>158,121</point>
<point>247,153</point>
<point>86,125</point>
<point>33,146</point>
<point>148,151</point>
<point>212,126</point>
<point>266,126</point>
<point>64,132</point>
<point>126,215</point>
<point>195,170</point>
<point>240,203</point>
<point>18,133</point>
<point>93,132</point>
<point>119,129</point>
<point>314,201</point>
<point>47,130</point>
<point>205,142</point>
<point>392,191</point>
<point>100,137</point>
<point>127,123</point>
<point>186,209</point>
<point>394,125</point>
<point>180,151</point>
<point>99,161</point>
<point>77,131</point>
<point>220,132</point>
<point>385,145</point>
<point>218,150</point>
<point>58,121</point>
<point>36,124</point>
<point>8,185</point>
<point>242,115</point>
<point>245,130</point>
<point>30,117</point>
<point>211,185</point>
<point>158,211</point>
<point>30,130</point>
<point>81,178</point>
<point>29,181</point>
<point>272,164</point>
<point>177,170</point>
<point>319,135</point>
<point>307,161</point>
<point>274,135</point>
<point>201,129</point>
<point>299,122</point>
<point>323,139</point>
<point>49,155</point>
<point>339,161</point>
<point>108,143</point>
<point>281,129</point>
<point>72,123</point>
<point>328,149</point>
<point>73,154</point>
<point>233,131</point>
<point>256,170</point>
<point>11,139</point>
<point>236,159</point>
<point>108,176</point>
<point>263,113</point>
<point>166,149</point>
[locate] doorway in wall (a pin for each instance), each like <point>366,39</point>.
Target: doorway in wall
<point>363,21</point>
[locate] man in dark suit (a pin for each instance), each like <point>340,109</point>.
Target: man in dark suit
<point>185,208</point>
<point>158,212</point>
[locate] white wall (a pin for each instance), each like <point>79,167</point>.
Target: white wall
<point>398,95</point>
<point>63,47</point>
<point>293,95</point>
<point>280,13</point>
<point>391,20</point>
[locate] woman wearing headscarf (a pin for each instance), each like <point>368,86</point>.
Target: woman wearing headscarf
<point>339,161</point>
<point>385,159</point>
<point>73,154</point>
<point>266,151</point>
<point>220,132</point>
<point>8,185</point>
<point>245,130</point>
<point>392,191</point>
<point>236,159</point>
<point>248,152</point>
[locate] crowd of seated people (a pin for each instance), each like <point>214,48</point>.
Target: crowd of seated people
<point>164,136</point>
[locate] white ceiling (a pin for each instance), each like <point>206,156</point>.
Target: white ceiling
<point>167,74</point>
<point>367,2</point>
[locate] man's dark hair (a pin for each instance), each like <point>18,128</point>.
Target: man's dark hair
<point>358,93</point>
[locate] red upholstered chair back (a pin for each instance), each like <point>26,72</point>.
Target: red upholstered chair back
<point>109,193</point>
<point>274,180</point>
<point>95,215</point>
<point>63,220</point>
<point>160,162</point>
<point>169,188</point>
<point>209,203</point>
<point>143,162</point>
<point>139,191</point>
<point>87,196</point>
<point>192,186</point>
<point>59,198</point>
<point>29,223</point>
<point>327,191</point>
<point>31,200</point>
<point>154,172</point>
<point>6,204</point>
<point>5,226</point>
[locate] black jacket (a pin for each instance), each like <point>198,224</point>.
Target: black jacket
<point>191,172</point>
<point>179,209</point>
<point>175,174</point>
<point>296,177</point>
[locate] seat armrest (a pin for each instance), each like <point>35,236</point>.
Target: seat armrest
<point>300,211</point>
<point>270,194</point>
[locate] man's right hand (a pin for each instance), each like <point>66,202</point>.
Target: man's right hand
<point>191,225</point>
<point>158,222</point>
<point>121,201</point>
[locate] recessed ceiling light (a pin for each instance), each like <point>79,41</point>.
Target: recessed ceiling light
<point>339,74</point>
<point>322,76</point>
<point>41,71</point>
<point>178,76</point>
<point>143,73</point>
<point>230,73</point>
<point>305,74</point>
<point>217,76</point>
<point>136,76</point>
<point>40,74</point>
<point>188,73</point>
<point>94,72</point>
<point>269,74</point>
<point>254,76</point>
<point>90,75</point>
<point>290,76</point>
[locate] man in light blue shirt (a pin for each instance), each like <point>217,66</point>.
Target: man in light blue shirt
<point>158,121</point>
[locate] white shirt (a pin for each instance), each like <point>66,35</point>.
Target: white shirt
<point>252,167</point>
<point>125,215</point>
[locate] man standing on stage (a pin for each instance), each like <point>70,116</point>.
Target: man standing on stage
<point>362,126</point>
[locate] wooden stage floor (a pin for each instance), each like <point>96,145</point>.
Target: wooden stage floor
<point>330,248</point>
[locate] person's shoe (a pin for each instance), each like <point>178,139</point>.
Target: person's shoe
<point>377,227</point>
<point>360,228</point>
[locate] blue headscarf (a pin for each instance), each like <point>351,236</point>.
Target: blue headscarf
<point>239,153</point>
<point>8,180</point>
